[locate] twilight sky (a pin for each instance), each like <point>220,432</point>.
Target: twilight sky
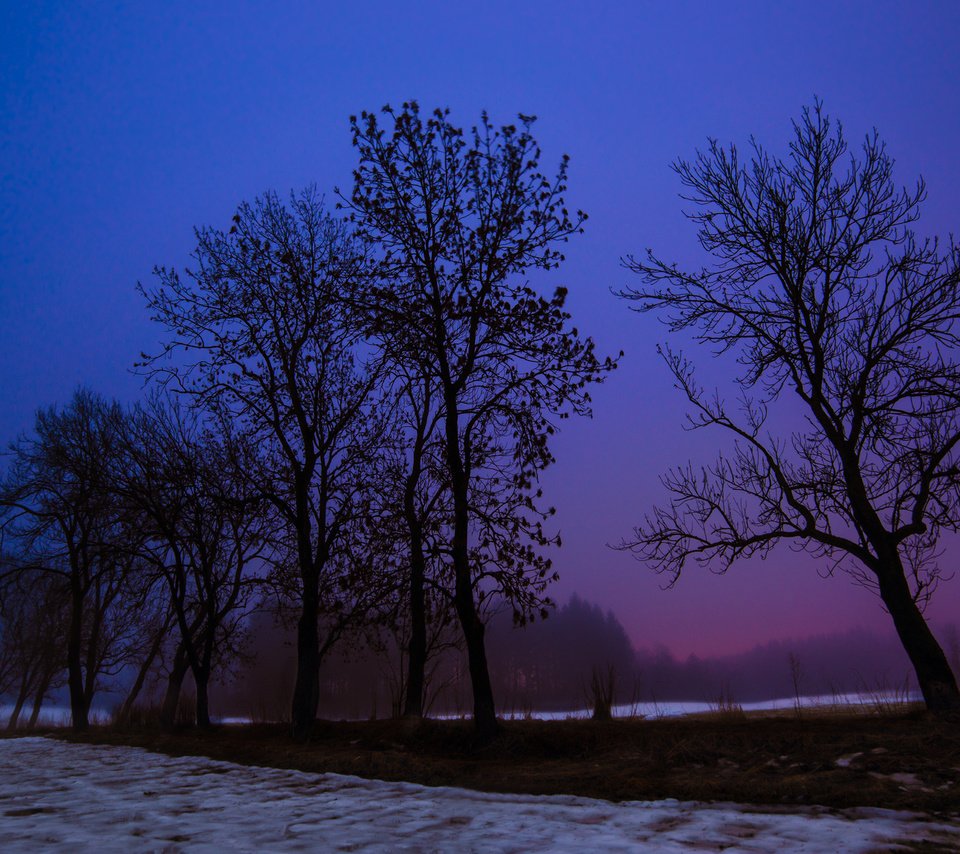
<point>123,125</point>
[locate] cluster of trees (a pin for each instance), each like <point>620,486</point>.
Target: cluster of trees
<point>365,408</point>
<point>352,412</point>
<point>128,536</point>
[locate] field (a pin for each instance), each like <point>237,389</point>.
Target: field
<point>906,761</point>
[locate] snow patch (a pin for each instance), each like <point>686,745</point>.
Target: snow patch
<point>81,797</point>
<point>845,761</point>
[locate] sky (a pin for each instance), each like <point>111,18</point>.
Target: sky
<point>124,125</point>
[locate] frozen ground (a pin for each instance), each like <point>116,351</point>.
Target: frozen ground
<point>72,797</point>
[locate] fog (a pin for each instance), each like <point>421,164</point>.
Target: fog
<point>548,666</point>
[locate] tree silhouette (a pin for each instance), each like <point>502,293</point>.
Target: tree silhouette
<point>264,337</point>
<point>204,530</point>
<point>820,288</point>
<point>60,506</point>
<point>414,486</point>
<point>33,622</point>
<point>458,220</point>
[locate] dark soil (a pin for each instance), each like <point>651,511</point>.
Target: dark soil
<point>909,761</point>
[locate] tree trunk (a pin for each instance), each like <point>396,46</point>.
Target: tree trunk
<point>35,711</point>
<point>39,697</point>
<point>123,716</point>
<point>18,706</point>
<point>78,699</point>
<point>306,691</point>
<point>934,676</point>
<point>484,710</point>
<point>417,648</point>
<point>202,668</point>
<point>171,699</point>
<point>202,681</point>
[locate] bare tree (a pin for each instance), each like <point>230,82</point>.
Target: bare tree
<point>263,335</point>
<point>458,220</point>
<point>33,621</point>
<point>204,531</point>
<point>819,288</point>
<point>58,504</point>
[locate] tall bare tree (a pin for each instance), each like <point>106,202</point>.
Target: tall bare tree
<point>826,296</point>
<point>262,332</point>
<point>458,221</point>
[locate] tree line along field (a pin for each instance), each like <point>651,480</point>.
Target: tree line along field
<point>347,419</point>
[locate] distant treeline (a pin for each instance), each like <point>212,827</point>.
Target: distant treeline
<point>549,666</point>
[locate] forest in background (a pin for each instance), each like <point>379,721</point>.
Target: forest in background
<point>549,665</point>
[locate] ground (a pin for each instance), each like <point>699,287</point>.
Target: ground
<point>722,782</point>
<point>907,761</point>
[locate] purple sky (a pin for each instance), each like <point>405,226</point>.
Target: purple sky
<point>124,125</point>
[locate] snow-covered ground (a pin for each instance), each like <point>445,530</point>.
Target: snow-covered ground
<point>875,701</point>
<point>72,797</point>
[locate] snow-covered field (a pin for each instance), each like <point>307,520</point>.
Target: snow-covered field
<point>876,701</point>
<point>52,715</point>
<point>71,797</point>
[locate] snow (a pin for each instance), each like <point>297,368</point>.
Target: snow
<point>674,708</point>
<point>52,715</point>
<point>56,795</point>
<point>845,761</point>
<point>56,715</point>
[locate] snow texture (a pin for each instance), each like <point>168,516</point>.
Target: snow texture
<point>74,797</point>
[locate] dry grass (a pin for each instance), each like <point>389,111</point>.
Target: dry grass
<point>906,761</point>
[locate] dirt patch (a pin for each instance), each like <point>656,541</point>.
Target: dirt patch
<point>759,760</point>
